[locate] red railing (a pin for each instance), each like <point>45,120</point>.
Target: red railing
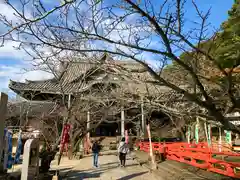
<point>199,155</point>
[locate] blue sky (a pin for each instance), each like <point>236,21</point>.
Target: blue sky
<point>13,61</point>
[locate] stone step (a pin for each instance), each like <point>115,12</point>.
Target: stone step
<point>105,140</point>
<point>200,172</point>
<point>179,171</point>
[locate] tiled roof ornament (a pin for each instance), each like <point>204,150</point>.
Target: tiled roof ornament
<point>106,58</point>
<point>63,66</point>
<point>27,81</point>
<point>11,82</point>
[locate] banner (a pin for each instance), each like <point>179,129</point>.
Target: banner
<point>9,152</point>
<point>19,148</point>
<point>5,149</point>
<point>196,133</point>
<point>228,137</point>
<point>188,134</point>
<point>65,137</point>
<point>126,136</point>
<point>209,134</point>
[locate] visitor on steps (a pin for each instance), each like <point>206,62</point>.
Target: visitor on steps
<point>95,152</point>
<point>123,150</point>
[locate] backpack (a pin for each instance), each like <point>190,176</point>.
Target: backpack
<point>95,147</point>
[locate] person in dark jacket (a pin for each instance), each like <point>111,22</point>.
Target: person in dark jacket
<point>95,152</point>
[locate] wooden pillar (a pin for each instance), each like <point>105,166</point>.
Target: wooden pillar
<point>88,122</point>
<point>151,148</point>
<point>143,123</point>
<point>3,111</point>
<point>69,101</point>
<point>122,122</point>
<point>69,118</point>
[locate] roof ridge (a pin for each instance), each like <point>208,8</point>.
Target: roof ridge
<point>40,81</point>
<point>97,62</point>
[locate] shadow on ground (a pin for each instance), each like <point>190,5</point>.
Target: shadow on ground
<point>132,176</point>
<point>96,172</point>
<point>45,176</point>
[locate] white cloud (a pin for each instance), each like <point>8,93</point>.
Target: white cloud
<point>10,50</point>
<point>16,73</point>
<point>7,11</point>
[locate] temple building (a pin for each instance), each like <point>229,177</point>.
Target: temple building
<point>108,91</point>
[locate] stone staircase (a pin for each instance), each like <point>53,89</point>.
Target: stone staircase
<point>106,142</point>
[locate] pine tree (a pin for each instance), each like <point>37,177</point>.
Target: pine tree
<point>228,51</point>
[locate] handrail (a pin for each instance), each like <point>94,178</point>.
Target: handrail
<point>199,155</point>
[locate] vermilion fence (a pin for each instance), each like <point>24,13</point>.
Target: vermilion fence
<point>212,158</point>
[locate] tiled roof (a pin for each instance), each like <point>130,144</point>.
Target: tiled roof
<point>70,80</point>
<point>129,75</point>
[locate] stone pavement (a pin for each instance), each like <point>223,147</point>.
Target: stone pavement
<point>109,170</point>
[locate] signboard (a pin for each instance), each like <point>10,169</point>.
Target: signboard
<point>197,133</point>
<point>228,137</point>
<point>209,137</point>
<point>188,134</point>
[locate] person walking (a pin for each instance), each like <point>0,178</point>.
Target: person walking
<point>123,150</point>
<point>95,152</point>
